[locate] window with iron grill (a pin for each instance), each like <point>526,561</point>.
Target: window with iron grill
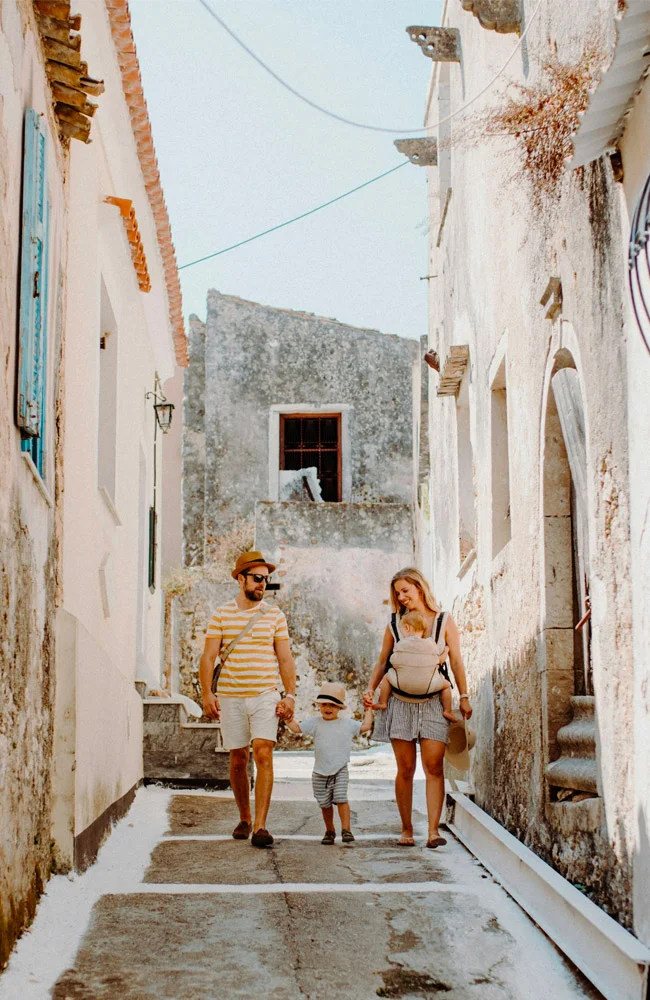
<point>314,441</point>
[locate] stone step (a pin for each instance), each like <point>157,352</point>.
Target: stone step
<point>176,751</point>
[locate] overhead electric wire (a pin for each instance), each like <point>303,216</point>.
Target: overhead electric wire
<point>349,121</point>
<point>297,217</point>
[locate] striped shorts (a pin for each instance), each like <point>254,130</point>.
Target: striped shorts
<point>331,788</point>
<point>405,720</point>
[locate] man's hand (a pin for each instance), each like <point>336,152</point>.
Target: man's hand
<point>284,709</point>
<point>211,705</point>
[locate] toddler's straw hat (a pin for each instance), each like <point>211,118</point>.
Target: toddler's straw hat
<point>332,693</point>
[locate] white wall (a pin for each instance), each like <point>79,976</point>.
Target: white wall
<point>496,256</point>
<point>635,148</point>
<point>117,621</point>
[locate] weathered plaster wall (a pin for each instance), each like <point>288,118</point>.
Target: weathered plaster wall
<point>495,259</point>
<point>635,148</point>
<point>29,522</point>
<point>111,619</point>
<point>249,358</point>
<point>335,562</point>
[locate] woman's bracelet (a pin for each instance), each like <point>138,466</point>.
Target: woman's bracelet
<point>461,696</point>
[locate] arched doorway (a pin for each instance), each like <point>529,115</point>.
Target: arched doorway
<point>570,732</point>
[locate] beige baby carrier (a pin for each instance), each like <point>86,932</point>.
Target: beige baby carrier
<point>414,679</point>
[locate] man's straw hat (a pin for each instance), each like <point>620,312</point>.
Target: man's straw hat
<point>247,560</point>
<point>333,694</point>
<point>461,740</point>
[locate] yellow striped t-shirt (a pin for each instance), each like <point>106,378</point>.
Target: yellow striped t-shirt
<point>252,667</point>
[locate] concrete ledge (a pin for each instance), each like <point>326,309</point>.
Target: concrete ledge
<point>611,958</point>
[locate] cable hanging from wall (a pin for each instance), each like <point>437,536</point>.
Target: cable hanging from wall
<point>349,121</point>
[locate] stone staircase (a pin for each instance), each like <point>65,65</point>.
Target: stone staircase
<point>178,752</point>
<point>576,768</point>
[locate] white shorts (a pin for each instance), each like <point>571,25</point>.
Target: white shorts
<point>247,719</point>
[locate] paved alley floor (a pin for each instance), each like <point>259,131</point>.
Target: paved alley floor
<point>175,909</point>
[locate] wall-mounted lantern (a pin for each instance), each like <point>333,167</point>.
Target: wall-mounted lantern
<point>164,412</point>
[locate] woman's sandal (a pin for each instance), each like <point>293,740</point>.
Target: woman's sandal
<point>436,842</point>
<point>406,841</point>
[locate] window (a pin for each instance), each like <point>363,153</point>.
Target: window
<point>465,459</point>
<point>308,441</point>
<point>500,462</point>
<point>107,430</point>
<point>32,321</point>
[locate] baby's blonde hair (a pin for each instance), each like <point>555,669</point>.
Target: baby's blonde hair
<point>415,620</point>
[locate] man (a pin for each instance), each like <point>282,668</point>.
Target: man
<point>249,702</point>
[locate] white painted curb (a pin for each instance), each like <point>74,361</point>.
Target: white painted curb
<point>612,959</point>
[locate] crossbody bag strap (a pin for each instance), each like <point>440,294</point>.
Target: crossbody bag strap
<point>444,667</point>
<point>231,645</point>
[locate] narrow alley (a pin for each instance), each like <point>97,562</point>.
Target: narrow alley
<point>176,910</point>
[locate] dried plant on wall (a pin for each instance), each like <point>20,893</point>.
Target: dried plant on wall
<point>220,557</point>
<point>541,118</point>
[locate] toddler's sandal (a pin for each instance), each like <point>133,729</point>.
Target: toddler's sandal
<point>347,836</point>
<point>329,838</point>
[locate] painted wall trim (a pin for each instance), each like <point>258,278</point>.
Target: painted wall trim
<point>611,958</point>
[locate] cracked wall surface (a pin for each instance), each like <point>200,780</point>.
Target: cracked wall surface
<point>503,601</point>
<point>248,358</point>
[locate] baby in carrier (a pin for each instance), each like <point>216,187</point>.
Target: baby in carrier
<point>414,673</point>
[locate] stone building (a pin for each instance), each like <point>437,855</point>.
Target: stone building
<point>90,322</point>
<point>532,513</point>
<point>302,427</point>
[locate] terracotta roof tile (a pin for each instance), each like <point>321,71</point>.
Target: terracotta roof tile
<point>120,21</point>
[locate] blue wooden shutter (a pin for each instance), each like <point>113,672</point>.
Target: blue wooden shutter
<point>33,282</point>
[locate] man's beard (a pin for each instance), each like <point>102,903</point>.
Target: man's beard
<point>254,595</point>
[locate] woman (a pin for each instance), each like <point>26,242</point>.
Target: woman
<point>404,723</point>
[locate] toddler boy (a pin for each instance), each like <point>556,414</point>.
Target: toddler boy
<point>332,745</point>
<point>415,651</point>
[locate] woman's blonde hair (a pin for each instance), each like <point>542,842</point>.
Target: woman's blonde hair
<point>412,575</point>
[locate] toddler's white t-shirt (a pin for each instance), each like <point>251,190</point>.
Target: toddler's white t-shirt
<point>332,741</point>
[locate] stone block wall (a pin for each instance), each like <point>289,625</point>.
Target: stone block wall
<point>335,562</point>
<point>248,359</point>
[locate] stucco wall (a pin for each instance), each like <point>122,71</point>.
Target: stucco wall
<point>335,562</point>
<point>29,525</point>
<point>635,148</point>
<point>494,262</point>
<point>250,358</point>
<point>111,618</point>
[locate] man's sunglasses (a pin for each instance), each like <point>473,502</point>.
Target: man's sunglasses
<point>259,577</point>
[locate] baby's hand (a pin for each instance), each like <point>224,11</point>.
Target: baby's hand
<point>443,656</point>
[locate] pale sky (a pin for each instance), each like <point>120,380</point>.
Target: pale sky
<point>239,154</point>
